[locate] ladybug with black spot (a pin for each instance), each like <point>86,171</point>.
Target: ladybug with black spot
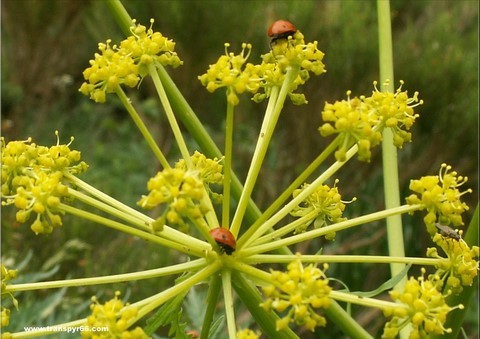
<point>225,239</point>
<point>281,29</point>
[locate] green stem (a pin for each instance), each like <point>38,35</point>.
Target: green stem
<point>213,293</point>
<point>141,126</point>
<point>201,136</point>
<point>345,322</point>
<point>170,115</point>
<point>185,247</point>
<point>121,15</point>
<point>373,259</point>
<point>251,297</point>
<point>229,305</point>
<point>227,170</point>
<point>254,233</point>
<point>110,279</point>
<point>106,198</point>
<point>149,304</point>
<point>294,185</point>
<point>389,151</point>
<point>274,108</point>
<point>248,251</point>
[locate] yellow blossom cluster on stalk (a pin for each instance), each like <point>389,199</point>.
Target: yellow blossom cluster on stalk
<point>181,191</point>
<point>422,305</point>
<point>327,204</point>
<point>300,293</point>
<point>233,72</point>
<point>460,267</point>
<point>361,120</point>
<point>209,171</point>
<point>127,64</point>
<point>33,180</point>
<point>115,317</point>
<point>440,196</point>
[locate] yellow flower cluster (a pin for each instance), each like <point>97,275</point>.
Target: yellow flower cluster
<point>422,305</point>
<point>287,54</point>
<point>440,196</point>
<point>127,64</point>
<point>299,292</point>
<point>460,267</point>
<point>182,191</point>
<point>362,119</point>
<point>233,72</point>
<point>326,202</point>
<point>209,171</point>
<point>32,180</point>
<point>247,334</point>
<point>113,316</point>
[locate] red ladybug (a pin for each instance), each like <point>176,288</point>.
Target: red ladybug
<point>281,29</point>
<point>225,239</point>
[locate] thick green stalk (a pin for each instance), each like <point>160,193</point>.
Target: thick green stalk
<point>213,293</point>
<point>251,297</point>
<point>389,151</point>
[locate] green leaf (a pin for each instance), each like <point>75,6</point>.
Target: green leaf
<point>169,313</point>
<point>387,285</point>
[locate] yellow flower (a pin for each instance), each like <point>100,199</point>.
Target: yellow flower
<point>233,72</point>
<point>247,334</point>
<point>460,267</point>
<point>33,180</point>
<point>114,316</point>
<point>181,191</point>
<point>127,64</point>
<point>300,292</point>
<point>361,120</point>
<point>326,202</point>
<point>426,309</point>
<point>440,196</point>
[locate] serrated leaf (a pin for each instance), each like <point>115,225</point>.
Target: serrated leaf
<point>165,315</point>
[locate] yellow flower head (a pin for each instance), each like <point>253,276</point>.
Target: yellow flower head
<point>115,317</point>
<point>181,191</point>
<point>361,120</point>
<point>33,180</point>
<point>298,293</point>
<point>126,64</point>
<point>422,305</point>
<point>324,205</point>
<point>460,267</point>
<point>440,196</point>
<point>247,334</point>
<point>287,54</point>
<point>233,72</point>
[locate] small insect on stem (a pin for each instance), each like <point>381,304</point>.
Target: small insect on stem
<point>448,232</point>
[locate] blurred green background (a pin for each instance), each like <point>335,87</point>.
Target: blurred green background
<point>46,44</point>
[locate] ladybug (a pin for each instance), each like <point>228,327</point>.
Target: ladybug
<point>281,29</point>
<point>225,239</point>
<point>448,232</point>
